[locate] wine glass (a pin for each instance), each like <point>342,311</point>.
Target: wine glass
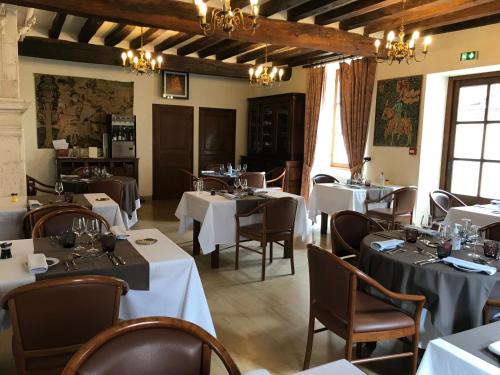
<point>244,168</point>
<point>59,188</point>
<point>78,229</point>
<point>244,184</point>
<point>475,240</point>
<point>92,229</point>
<point>426,221</point>
<point>221,169</point>
<point>237,183</point>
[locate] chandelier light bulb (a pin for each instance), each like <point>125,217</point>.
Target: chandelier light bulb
<point>202,9</point>
<point>130,54</point>
<point>250,71</point>
<point>415,35</point>
<point>258,71</point>
<point>136,60</point>
<point>153,64</point>
<point>377,45</point>
<point>411,43</point>
<point>391,36</point>
<point>280,73</point>
<point>124,58</point>
<point>159,60</point>
<point>148,55</point>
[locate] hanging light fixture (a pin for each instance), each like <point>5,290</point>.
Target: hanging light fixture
<point>225,18</point>
<point>265,75</point>
<point>401,49</point>
<point>141,62</point>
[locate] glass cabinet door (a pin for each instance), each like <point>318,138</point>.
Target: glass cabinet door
<point>267,130</point>
<point>282,145</point>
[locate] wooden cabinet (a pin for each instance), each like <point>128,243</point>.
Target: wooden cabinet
<point>276,136</point>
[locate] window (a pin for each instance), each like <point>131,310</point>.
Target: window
<point>339,153</point>
<point>473,152</point>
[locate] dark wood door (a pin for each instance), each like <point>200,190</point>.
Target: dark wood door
<point>217,136</point>
<point>172,149</point>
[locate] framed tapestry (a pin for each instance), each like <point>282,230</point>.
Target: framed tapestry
<point>397,112</point>
<point>75,108</point>
<point>175,85</point>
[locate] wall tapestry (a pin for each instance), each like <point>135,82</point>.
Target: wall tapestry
<point>75,108</point>
<point>397,112</point>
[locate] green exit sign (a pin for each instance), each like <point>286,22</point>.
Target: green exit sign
<point>470,55</point>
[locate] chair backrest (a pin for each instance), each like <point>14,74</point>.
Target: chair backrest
<point>348,228</point>
<point>188,179</point>
<point>278,215</point>
<point>441,201</point>
<point>276,177</point>
<point>214,166</point>
<point>210,183</point>
<point>56,222</point>
<point>80,171</point>
<point>492,231</point>
<point>255,179</point>
<point>404,200</point>
<point>112,188</point>
<point>150,346</point>
<point>33,186</point>
<point>324,179</point>
<point>52,318</point>
<point>332,284</point>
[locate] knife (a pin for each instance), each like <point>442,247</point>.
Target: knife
<point>120,259</point>
<point>112,260</point>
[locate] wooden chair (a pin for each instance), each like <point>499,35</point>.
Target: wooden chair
<point>32,216</point>
<point>348,228</point>
<point>255,179</point>
<point>490,304</point>
<point>403,204</point>
<point>57,222</point>
<point>338,303</point>
<point>188,179</point>
<point>112,188</point>
<point>278,221</point>
<point>80,171</point>
<point>491,231</point>
<point>168,346</point>
<point>52,318</point>
<point>324,179</point>
<point>276,178</point>
<point>210,183</point>
<point>440,202</point>
<point>213,167</point>
<point>33,186</point>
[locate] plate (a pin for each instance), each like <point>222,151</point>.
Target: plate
<point>51,262</point>
<point>102,199</point>
<point>146,241</point>
<point>465,269</point>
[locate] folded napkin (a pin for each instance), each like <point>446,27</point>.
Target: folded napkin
<point>470,265</point>
<point>386,245</point>
<point>207,172</point>
<point>494,347</point>
<point>119,232</point>
<point>70,176</point>
<point>33,203</point>
<point>37,263</point>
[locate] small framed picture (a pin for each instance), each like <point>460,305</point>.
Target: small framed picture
<point>175,85</point>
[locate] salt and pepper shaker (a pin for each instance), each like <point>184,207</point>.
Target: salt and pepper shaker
<point>5,253</point>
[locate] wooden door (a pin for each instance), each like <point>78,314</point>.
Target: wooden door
<point>172,149</point>
<point>217,136</point>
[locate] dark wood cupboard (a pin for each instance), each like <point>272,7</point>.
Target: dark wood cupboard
<point>276,136</point>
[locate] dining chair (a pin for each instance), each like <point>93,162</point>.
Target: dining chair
<point>214,166</point>
<point>491,231</point>
<point>339,303</point>
<point>80,171</point>
<point>255,179</point>
<point>56,222</point>
<point>324,179</point>
<point>213,183</point>
<point>276,178</point>
<point>112,188</point>
<point>440,202</point>
<point>32,216</point>
<point>150,346</point>
<point>278,221</point>
<point>52,318</point>
<point>403,204</point>
<point>188,179</point>
<point>33,186</point>
<point>491,304</point>
<point>348,228</point>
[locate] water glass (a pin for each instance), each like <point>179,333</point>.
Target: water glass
<point>244,168</point>
<point>444,231</point>
<point>221,169</point>
<point>78,229</point>
<point>475,239</point>
<point>108,242</point>
<point>411,235</point>
<point>491,248</point>
<point>426,221</point>
<point>59,188</point>
<point>199,186</point>
<point>443,249</point>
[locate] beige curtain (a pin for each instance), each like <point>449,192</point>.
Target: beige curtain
<point>356,88</point>
<point>314,95</point>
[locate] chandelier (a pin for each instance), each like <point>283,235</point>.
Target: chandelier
<point>401,48</point>
<point>265,75</point>
<point>143,62</point>
<point>225,18</point>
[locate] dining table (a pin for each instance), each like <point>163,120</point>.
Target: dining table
<point>454,297</point>
<point>464,353</point>
<point>480,214</point>
<point>163,279</point>
<point>339,367</point>
<point>329,198</point>
<point>212,218</point>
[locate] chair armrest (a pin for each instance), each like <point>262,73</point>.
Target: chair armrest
<point>249,213</point>
<point>493,302</point>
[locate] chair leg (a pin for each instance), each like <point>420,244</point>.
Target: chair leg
<point>348,349</point>
<point>289,247</point>
<point>359,347</point>
<point>264,247</point>
<point>310,336</point>
<point>414,359</point>
<point>271,252</point>
<point>237,260</point>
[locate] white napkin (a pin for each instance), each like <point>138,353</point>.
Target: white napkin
<point>119,232</point>
<point>470,265</point>
<point>69,176</point>
<point>37,263</point>
<point>207,172</point>
<point>33,203</point>
<point>386,245</point>
<point>494,347</point>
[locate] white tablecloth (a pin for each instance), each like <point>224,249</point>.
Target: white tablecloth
<point>479,215</point>
<point>175,288</point>
<point>340,367</point>
<point>129,222</point>
<point>216,215</point>
<point>108,209</point>
<point>332,198</point>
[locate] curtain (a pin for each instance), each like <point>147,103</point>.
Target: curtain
<point>356,87</point>
<point>315,87</point>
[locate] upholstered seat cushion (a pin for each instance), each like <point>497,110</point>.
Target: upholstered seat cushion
<point>255,230</point>
<point>373,314</point>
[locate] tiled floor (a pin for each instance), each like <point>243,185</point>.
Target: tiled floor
<point>262,324</point>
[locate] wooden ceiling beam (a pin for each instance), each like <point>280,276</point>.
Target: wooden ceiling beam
<point>213,48</point>
<point>181,16</point>
<point>271,7</point>
<point>198,44</point>
<point>313,7</point>
<point>283,54</point>
<point>305,58</point>
<point>89,29</point>
<point>172,41</point>
<point>119,33</point>
<point>151,34</point>
<point>253,55</point>
<point>57,25</point>
<point>463,25</point>
<point>236,50</point>
<point>352,10</point>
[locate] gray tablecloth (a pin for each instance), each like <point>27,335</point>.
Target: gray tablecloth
<point>454,298</point>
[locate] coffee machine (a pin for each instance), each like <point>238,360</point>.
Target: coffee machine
<point>122,136</point>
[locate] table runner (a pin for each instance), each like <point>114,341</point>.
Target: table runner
<point>49,199</point>
<point>135,272</point>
